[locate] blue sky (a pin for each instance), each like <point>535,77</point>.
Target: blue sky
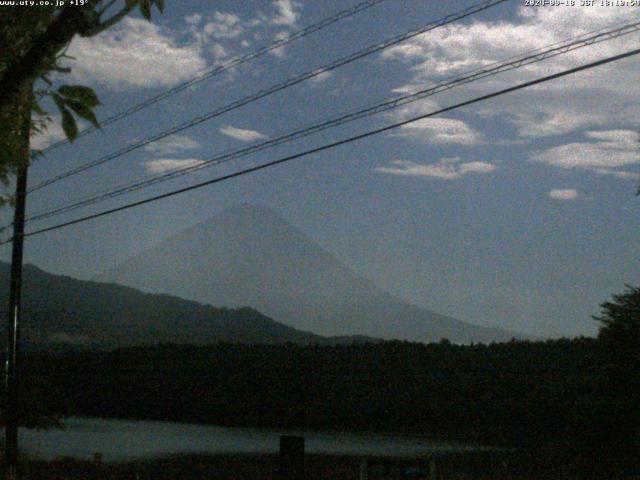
<point>518,212</point>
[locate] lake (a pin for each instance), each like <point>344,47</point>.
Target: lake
<point>121,440</point>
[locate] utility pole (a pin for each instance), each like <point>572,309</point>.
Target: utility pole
<point>13,313</point>
<point>13,329</point>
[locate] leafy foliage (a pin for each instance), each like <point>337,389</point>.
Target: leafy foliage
<point>620,320</point>
<point>80,100</point>
<point>619,339</point>
<point>34,43</point>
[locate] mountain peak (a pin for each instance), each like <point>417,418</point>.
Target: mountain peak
<point>250,255</point>
<point>243,217</point>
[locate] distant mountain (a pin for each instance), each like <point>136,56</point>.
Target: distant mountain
<point>249,255</point>
<point>59,310</point>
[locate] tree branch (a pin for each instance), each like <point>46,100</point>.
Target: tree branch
<point>41,53</point>
<point>102,26</point>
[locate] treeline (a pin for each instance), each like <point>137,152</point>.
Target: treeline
<point>499,394</point>
<point>548,397</point>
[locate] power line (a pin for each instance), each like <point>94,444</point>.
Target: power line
<point>535,56</point>
<point>273,89</point>
<point>337,143</point>
<point>538,55</point>
<point>349,12</point>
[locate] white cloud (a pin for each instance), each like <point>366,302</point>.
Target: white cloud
<point>585,155</point>
<point>555,123</point>
<point>162,165</point>
<point>462,45</point>
<point>476,167</point>
<point>223,26</point>
<point>279,52</point>
<point>193,19</point>
<point>585,100</point>
<point>136,53</point>
<point>172,145</point>
<point>414,109</point>
<point>242,134</point>
<point>622,174</point>
<point>590,101</point>
<point>435,129</point>
<point>288,13</point>
<point>615,148</point>
<point>221,34</point>
<point>442,131</point>
<point>321,77</point>
<point>409,88</point>
<point>615,138</point>
<point>445,168</point>
<point>218,51</point>
<point>563,194</point>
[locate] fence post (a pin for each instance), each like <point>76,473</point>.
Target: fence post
<point>432,470</point>
<point>291,457</point>
<point>364,469</point>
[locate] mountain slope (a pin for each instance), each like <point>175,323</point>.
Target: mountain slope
<point>62,310</point>
<point>249,255</point>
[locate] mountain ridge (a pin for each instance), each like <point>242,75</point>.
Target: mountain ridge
<point>61,310</point>
<point>250,255</point>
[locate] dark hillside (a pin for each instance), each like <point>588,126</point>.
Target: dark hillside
<point>63,311</point>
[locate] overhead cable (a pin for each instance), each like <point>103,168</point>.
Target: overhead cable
<point>538,55</point>
<point>271,90</point>
<point>234,62</point>
<point>334,144</point>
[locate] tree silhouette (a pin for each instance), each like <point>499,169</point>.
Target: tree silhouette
<point>34,41</point>
<point>620,324</point>
<point>619,339</point>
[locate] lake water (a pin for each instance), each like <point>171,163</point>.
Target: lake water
<point>120,440</point>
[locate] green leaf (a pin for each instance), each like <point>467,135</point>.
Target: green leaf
<point>80,93</point>
<point>160,5</point>
<point>59,101</point>
<point>145,9</point>
<point>83,111</point>
<point>69,125</point>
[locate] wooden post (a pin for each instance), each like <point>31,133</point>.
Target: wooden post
<point>291,457</point>
<point>13,331</point>
<point>364,469</point>
<point>11,380</point>
<point>432,470</point>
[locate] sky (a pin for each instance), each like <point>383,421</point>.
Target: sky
<point>518,212</point>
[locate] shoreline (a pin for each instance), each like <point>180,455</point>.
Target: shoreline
<point>121,440</point>
<point>387,434</point>
<point>265,466</point>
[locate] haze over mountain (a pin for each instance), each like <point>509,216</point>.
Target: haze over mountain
<point>59,310</point>
<point>250,256</point>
